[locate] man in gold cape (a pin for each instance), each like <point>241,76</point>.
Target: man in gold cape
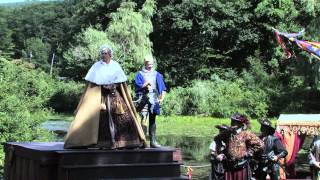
<point>105,116</point>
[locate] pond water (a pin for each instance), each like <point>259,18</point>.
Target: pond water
<point>60,128</point>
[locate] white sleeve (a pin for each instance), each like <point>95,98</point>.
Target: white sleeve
<point>312,158</point>
<point>213,146</point>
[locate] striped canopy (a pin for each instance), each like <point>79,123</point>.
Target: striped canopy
<point>305,123</point>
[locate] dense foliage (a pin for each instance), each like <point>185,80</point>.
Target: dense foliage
<point>37,52</point>
<point>23,97</point>
<point>66,97</point>
<point>217,57</point>
<point>127,33</point>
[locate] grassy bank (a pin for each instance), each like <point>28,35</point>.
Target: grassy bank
<point>194,126</point>
<point>61,117</point>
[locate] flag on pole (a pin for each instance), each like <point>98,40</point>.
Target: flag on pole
<point>283,45</point>
<point>289,35</point>
<point>312,48</point>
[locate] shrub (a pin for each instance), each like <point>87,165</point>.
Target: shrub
<point>39,52</point>
<point>175,102</point>
<point>218,98</point>
<point>66,97</point>
<point>23,95</point>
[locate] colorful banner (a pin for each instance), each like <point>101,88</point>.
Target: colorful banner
<point>312,48</point>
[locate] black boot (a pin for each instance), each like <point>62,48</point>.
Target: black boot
<point>152,135</point>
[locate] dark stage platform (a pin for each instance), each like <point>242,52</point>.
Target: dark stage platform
<point>49,161</point>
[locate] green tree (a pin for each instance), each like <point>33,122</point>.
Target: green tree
<point>37,52</point>
<point>224,34</point>
<point>81,56</point>
<point>6,45</point>
<point>53,22</point>
<point>128,34</point>
<point>130,30</point>
<point>23,97</point>
<point>93,12</point>
<point>196,37</point>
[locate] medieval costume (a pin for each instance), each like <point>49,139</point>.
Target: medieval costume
<point>218,149</point>
<point>148,96</point>
<point>314,157</point>
<point>241,147</point>
<point>273,151</point>
<point>114,126</point>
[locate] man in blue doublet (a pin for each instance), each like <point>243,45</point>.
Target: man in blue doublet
<point>150,92</point>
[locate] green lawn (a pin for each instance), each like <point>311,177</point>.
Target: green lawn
<point>194,126</point>
<point>61,117</point>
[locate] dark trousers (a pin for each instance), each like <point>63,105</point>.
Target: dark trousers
<point>273,173</point>
<point>217,171</point>
<point>152,119</point>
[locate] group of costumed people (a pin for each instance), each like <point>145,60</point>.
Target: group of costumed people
<point>106,116</point>
<point>239,154</point>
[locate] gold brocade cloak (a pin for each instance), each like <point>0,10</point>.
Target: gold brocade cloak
<point>84,130</point>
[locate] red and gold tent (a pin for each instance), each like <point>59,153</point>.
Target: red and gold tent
<point>292,130</point>
<point>308,124</point>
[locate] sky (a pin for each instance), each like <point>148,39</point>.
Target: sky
<point>10,1</point>
<point>13,1</point>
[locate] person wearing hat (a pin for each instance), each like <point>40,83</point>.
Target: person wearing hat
<point>273,151</point>
<point>150,92</point>
<point>241,147</point>
<point>217,152</point>
<point>314,157</point>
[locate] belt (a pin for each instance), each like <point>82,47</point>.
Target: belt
<point>109,89</point>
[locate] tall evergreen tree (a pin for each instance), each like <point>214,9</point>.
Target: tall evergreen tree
<point>130,30</point>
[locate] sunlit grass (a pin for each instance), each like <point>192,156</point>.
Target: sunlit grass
<point>194,126</point>
<point>61,117</point>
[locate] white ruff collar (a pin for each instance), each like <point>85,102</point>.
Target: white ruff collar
<point>146,71</point>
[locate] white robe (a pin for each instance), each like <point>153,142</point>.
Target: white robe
<point>102,73</point>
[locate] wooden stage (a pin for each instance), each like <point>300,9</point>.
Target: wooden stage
<point>49,161</point>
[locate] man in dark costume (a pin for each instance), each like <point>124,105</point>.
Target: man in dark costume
<point>218,150</point>
<point>105,117</point>
<point>241,147</point>
<point>273,151</point>
<point>314,157</point>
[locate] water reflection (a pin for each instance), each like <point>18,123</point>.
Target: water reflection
<point>60,128</point>
<point>195,153</point>
<point>193,148</point>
